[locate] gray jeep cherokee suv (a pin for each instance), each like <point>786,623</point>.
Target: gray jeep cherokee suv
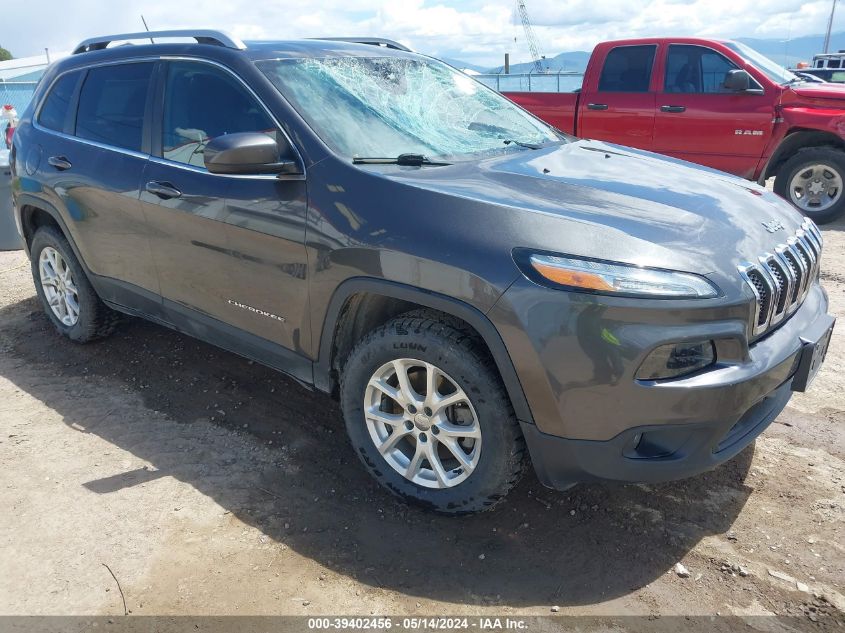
<point>468,281</point>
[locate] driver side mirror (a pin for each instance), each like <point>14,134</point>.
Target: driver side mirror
<point>737,80</point>
<point>248,153</point>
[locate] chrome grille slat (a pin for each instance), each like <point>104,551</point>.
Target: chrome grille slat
<point>781,280</point>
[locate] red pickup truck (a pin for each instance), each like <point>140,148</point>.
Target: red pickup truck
<point>716,103</point>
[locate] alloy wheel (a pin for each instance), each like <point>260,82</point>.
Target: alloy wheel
<point>422,423</point>
<point>58,286</point>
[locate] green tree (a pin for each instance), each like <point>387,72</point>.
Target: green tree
<point>4,54</point>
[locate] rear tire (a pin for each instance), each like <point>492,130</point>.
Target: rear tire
<point>66,295</point>
<point>454,458</point>
<point>812,180</point>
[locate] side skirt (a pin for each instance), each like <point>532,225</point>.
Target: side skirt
<point>146,305</point>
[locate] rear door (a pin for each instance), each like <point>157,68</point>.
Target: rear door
<point>229,247</point>
<point>619,106</point>
<point>94,157</point>
<point>700,121</point>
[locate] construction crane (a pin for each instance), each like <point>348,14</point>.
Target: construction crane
<point>536,58</point>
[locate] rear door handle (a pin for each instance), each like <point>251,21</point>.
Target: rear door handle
<point>59,162</point>
<point>163,190</point>
<point>671,108</point>
<point>597,106</point>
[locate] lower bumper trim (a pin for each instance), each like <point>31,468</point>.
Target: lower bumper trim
<point>694,448</point>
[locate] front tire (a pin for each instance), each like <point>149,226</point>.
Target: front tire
<point>813,181</point>
<point>66,295</point>
<point>429,417</point>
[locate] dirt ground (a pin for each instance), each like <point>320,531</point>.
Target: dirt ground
<point>211,485</point>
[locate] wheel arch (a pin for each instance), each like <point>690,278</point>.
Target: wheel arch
<point>34,212</point>
<point>361,304</point>
<point>794,141</point>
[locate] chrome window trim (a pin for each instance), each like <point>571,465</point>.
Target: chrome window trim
<point>158,159</point>
<point>113,148</point>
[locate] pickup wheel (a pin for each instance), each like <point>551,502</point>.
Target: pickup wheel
<point>429,417</point>
<point>66,295</point>
<point>812,180</point>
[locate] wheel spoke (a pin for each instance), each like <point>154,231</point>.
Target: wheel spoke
<point>416,461</point>
<point>448,429</point>
<point>430,384</point>
<point>405,387</point>
<point>71,306</point>
<point>392,440</point>
<point>447,401</point>
<point>454,448</point>
<point>436,465</point>
<point>386,418</point>
<point>391,392</point>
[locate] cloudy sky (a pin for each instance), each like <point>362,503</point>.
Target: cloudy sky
<point>476,31</point>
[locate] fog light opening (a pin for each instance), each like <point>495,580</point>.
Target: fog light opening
<point>677,359</point>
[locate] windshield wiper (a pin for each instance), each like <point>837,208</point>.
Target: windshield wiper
<point>508,141</point>
<point>409,160</point>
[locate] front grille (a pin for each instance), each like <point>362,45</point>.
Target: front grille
<point>780,280</point>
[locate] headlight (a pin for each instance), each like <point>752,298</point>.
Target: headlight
<point>612,278</point>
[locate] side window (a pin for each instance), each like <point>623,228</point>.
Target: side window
<point>201,103</point>
<point>627,69</point>
<point>696,69</point>
<point>54,112</point>
<point>111,104</point>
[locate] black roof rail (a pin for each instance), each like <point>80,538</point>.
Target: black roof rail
<point>373,41</point>
<point>202,36</point>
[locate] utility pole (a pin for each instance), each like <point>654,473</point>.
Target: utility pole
<point>829,27</point>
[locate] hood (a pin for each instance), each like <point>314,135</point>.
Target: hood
<point>827,92</point>
<point>594,199</point>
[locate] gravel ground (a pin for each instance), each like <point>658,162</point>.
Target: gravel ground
<point>211,485</point>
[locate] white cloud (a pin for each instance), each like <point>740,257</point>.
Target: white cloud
<point>478,31</point>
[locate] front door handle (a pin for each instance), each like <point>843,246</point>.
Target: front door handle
<point>597,106</point>
<point>59,162</point>
<point>671,108</point>
<point>163,190</point>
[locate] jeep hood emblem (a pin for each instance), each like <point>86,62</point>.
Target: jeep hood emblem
<point>774,225</point>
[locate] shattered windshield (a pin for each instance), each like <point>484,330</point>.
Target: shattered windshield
<point>387,106</point>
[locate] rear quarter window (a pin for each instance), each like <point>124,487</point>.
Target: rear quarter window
<point>111,104</point>
<point>54,113</point>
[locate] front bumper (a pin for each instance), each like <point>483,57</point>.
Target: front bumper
<point>577,357</point>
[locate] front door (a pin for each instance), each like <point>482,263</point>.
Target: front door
<point>698,120</point>
<point>620,109</point>
<point>227,247</point>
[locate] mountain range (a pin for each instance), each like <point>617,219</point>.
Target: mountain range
<point>785,52</point>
